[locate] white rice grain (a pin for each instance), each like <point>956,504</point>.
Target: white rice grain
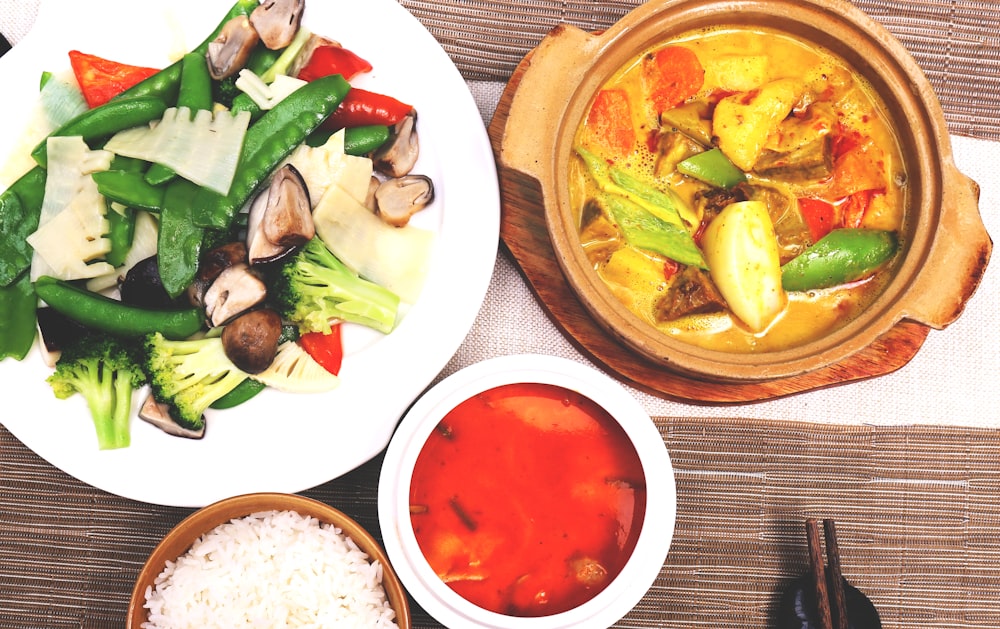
<point>270,569</point>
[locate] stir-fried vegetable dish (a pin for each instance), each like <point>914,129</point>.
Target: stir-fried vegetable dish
<point>740,190</point>
<point>201,232</point>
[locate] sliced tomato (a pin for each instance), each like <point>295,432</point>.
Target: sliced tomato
<point>675,75</point>
<point>609,123</point>
<point>102,79</point>
<point>325,349</point>
<point>819,215</point>
<point>327,60</point>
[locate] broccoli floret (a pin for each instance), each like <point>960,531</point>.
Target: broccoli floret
<point>106,370</point>
<point>189,375</point>
<point>315,288</point>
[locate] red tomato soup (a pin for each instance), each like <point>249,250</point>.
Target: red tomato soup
<point>527,499</point>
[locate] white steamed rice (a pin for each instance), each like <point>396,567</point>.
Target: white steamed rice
<point>271,569</point>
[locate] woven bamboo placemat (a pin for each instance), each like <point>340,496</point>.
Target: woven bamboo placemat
<point>956,43</point>
<point>917,511</point>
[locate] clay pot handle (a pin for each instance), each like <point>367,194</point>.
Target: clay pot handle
<point>957,259</point>
<point>542,96</point>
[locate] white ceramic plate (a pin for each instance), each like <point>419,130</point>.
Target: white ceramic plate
<point>277,441</point>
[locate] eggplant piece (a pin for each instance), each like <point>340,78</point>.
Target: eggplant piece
<point>143,287</point>
<point>692,292</point>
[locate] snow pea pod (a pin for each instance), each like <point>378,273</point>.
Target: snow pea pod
<point>130,189</point>
<point>357,140</point>
<point>106,120</point>
<point>17,318</point>
<point>20,208</point>
<point>166,83</point>
<point>195,94</point>
<point>110,315</point>
<point>267,142</point>
<point>179,243</point>
<point>842,256</point>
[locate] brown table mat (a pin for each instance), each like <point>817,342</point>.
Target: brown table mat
<point>917,511</point>
<point>956,43</point>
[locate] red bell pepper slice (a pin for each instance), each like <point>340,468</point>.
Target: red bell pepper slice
<point>676,75</point>
<point>361,108</point>
<point>819,216</point>
<point>102,79</point>
<point>609,122</point>
<point>327,60</point>
<point>325,349</point>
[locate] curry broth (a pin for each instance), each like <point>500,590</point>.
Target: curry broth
<point>741,61</point>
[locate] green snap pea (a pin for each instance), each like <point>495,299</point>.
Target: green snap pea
<point>110,315</point>
<point>179,243</point>
<point>243,392</point>
<point>243,102</point>
<point>165,84</point>
<point>195,94</point>
<point>364,140</point>
<point>17,318</point>
<point>842,256</point>
<point>109,118</point>
<point>713,168</point>
<point>267,142</point>
<point>357,140</point>
<point>129,188</point>
<point>20,209</point>
<point>120,233</point>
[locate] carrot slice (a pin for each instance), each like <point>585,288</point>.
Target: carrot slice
<point>609,122</point>
<point>676,75</point>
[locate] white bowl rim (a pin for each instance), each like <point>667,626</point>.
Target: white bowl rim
<point>399,541</point>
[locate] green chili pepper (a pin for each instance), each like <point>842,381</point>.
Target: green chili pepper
<point>179,243</point>
<point>17,318</point>
<point>103,121</point>
<point>713,168</point>
<point>267,142</point>
<point>110,315</point>
<point>195,94</point>
<point>130,189</point>
<point>165,84</point>
<point>20,208</point>
<point>842,256</point>
<point>644,230</point>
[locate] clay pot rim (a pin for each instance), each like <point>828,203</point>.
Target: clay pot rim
<point>940,195</point>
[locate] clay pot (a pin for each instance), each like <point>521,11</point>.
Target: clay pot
<point>947,247</point>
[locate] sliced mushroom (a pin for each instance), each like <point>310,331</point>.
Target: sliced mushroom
<point>399,154</point>
<point>214,262</point>
<point>158,414</point>
<point>228,53</point>
<point>373,185</point>
<point>236,290</point>
<point>277,21</point>
<point>280,217</point>
<point>251,339</point>
<point>396,200</point>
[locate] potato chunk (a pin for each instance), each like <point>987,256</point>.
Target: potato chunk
<point>743,122</point>
<point>742,256</point>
